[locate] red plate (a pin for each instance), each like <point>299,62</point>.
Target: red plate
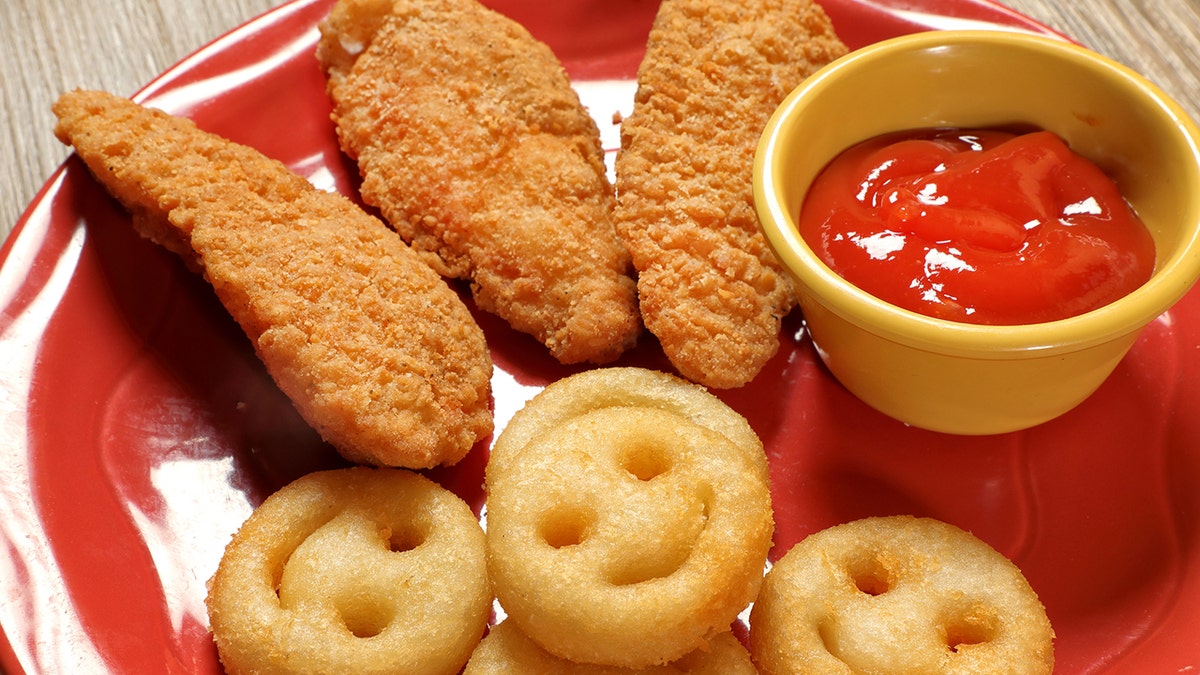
<point>139,429</point>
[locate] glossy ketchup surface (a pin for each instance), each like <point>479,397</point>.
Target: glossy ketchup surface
<point>978,226</point>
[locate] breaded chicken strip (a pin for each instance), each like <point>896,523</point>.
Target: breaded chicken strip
<point>475,148</point>
<point>375,350</point>
<point>710,288</point>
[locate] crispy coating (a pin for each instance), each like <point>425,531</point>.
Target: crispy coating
<point>710,288</point>
<point>629,517</point>
<point>600,388</point>
<point>899,595</point>
<point>507,651</point>
<point>475,148</point>
<point>354,571</point>
<point>370,344</point>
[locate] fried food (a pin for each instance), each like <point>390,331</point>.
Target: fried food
<point>374,349</point>
<point>710,288</point>
<point>601,388</point>
<point>475,148</point>
<point>898,595</point>
<point>507,651</point>
<point>356,570</point>
<point>626,535</point>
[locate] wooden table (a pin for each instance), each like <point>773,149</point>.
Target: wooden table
<point>119,45</point>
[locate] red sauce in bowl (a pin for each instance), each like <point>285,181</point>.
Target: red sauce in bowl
<point>977,226</point>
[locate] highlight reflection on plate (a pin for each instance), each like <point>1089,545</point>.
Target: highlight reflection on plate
<point>139,429</point>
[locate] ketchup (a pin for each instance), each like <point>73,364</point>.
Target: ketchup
<point>977,226</point>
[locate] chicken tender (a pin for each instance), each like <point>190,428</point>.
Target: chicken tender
<point>475,148</point>
<point>371,345</point>
<point>710,288</point>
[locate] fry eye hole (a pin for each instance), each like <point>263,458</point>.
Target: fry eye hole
<point>646,460</point>
<point>566,526</point>
<point>870,575</point>
<point>365,618</point>
<point>400,540</point>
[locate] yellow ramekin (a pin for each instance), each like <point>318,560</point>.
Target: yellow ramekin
<point>957,377</point>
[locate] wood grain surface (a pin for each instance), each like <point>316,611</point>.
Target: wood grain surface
<point>119,45</point>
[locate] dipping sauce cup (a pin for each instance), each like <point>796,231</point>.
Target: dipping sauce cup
<point>966,378</point>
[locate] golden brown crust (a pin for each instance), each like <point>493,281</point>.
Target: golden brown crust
<point>626,534</point>
<point>901,595</point>
<point>376,352</point>
<point>508,651</point>
<point>475,148</point>
<point>623,386</point>
<point>710,288</point>
<point>353,570</point>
